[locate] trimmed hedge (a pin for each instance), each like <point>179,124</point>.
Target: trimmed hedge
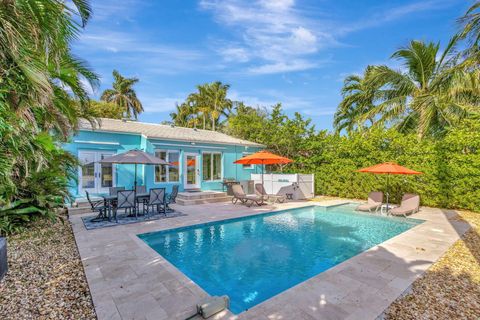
<point>451,165</point>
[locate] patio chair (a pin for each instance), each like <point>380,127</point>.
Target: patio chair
<point>260,190</point>
<point>375,200</point>
<point>171,198</point>
<point>410,204</point>
<point>156,199</point>
<point>125,200</point>
<point>248,200</point>
<point>114,190</point>
<point>141,189</point>
<point>97,206</point>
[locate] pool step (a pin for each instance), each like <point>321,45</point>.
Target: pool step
<point>187,199</point>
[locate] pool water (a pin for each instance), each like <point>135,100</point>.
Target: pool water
<point>251,259</point>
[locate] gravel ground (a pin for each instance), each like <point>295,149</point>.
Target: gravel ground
<point>45,278</point>
<point>450,289</point>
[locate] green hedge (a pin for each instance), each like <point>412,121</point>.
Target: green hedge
<point>451,165</point>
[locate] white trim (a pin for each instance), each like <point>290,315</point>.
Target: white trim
<point>251,166</point>
<point>167,176</point>
<point>198,178</point>
<point>253,145</point>
<point>211,166</point>
<point>186,145</point>
<point>98,142</point>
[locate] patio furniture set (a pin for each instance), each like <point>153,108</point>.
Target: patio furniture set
<point>410,204</point>
<point>134,202</point>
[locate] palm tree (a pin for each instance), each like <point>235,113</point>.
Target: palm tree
<point>429,95</point>
<point>123,95</point>
<point>358,98</point>
<point>470,23</point>
<point>35,57</point>
<point>219,103</point>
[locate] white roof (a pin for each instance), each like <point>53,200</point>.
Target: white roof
<point>161,131</point>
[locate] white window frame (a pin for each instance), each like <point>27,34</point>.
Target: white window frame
<point>250,166</point>
<point>211,165</point>
<point>167,167</point>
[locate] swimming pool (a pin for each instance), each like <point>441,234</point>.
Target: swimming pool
<point>253,258</point>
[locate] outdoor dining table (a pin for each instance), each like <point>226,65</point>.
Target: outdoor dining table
<point>110,200</point>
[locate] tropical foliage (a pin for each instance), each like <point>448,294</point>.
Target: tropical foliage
<point>41,100</point>
<point>205,107</point>
<point>102,109</point>
<point>427,97</point>
<point>123,95</point>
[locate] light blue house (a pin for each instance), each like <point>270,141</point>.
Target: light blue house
<point>199,159</point>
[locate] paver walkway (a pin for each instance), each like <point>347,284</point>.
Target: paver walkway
<point>129,280</point>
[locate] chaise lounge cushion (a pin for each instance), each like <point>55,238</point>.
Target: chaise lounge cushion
<point>375,200</point>
<point>410,204</point>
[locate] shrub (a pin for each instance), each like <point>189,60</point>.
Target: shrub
<point>450,165</point>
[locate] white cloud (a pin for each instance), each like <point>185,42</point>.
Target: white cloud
<point>283,66</point>
<point>277,36</point>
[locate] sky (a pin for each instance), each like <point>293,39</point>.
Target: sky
<point>296,52</point>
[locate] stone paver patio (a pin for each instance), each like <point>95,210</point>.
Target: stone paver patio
<point>129,280</point>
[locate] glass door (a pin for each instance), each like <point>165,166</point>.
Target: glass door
<point>95,177</point>
<point>105,173</point>
<point>192,174</point>
<point>86,172</point>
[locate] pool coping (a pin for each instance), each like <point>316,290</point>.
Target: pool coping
<point>360,287</point>
<point>414,223</point>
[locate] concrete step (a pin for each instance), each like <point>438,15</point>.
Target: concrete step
<point>79,210</point>
<point>201,195</point>
<point>184,202</point>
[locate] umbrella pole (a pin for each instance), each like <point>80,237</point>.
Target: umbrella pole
<point>135,190</point>
<point>388,176</point>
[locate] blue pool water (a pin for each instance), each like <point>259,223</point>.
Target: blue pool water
<point>253,258</point>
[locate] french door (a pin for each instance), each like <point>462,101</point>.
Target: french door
<point>93,176</point>
<point>192,174</point>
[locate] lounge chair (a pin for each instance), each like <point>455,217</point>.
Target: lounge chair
<point>375,200</point>
<point>410,204</point>
<point>248,200</point>
<point>260,191</point>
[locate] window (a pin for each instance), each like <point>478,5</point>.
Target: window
<point>212,166</point>
<point>168,173</point>
<point>247,166</point>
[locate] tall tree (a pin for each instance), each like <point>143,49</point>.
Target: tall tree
<point>358,98</point>
<point>218,101</point>
<point>470,31</point>
<point>208,105</point>
<point>41,101</point>
<point>123,95</point>
<point>428,96</point>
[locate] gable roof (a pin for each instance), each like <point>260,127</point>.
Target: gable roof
<point>161,131</point>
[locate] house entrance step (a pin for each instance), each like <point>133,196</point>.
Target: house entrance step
<point>192,198</point>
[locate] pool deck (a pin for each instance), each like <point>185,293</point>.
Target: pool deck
<point>129,280</point>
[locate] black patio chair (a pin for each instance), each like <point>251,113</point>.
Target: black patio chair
<point>114,190</point>
<point>125,200</point>
<point>156,199</point>
<point>171,198</point>
<point>98,206</point>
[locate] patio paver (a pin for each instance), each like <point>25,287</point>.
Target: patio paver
<point>129,280</point>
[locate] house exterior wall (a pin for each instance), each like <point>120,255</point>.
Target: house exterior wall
<point>124,174</point>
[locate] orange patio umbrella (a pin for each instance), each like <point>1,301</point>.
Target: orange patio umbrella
<point>388,168</point>
<point>263,158</point>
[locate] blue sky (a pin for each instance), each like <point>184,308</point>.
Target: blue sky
<point>296,52</point>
